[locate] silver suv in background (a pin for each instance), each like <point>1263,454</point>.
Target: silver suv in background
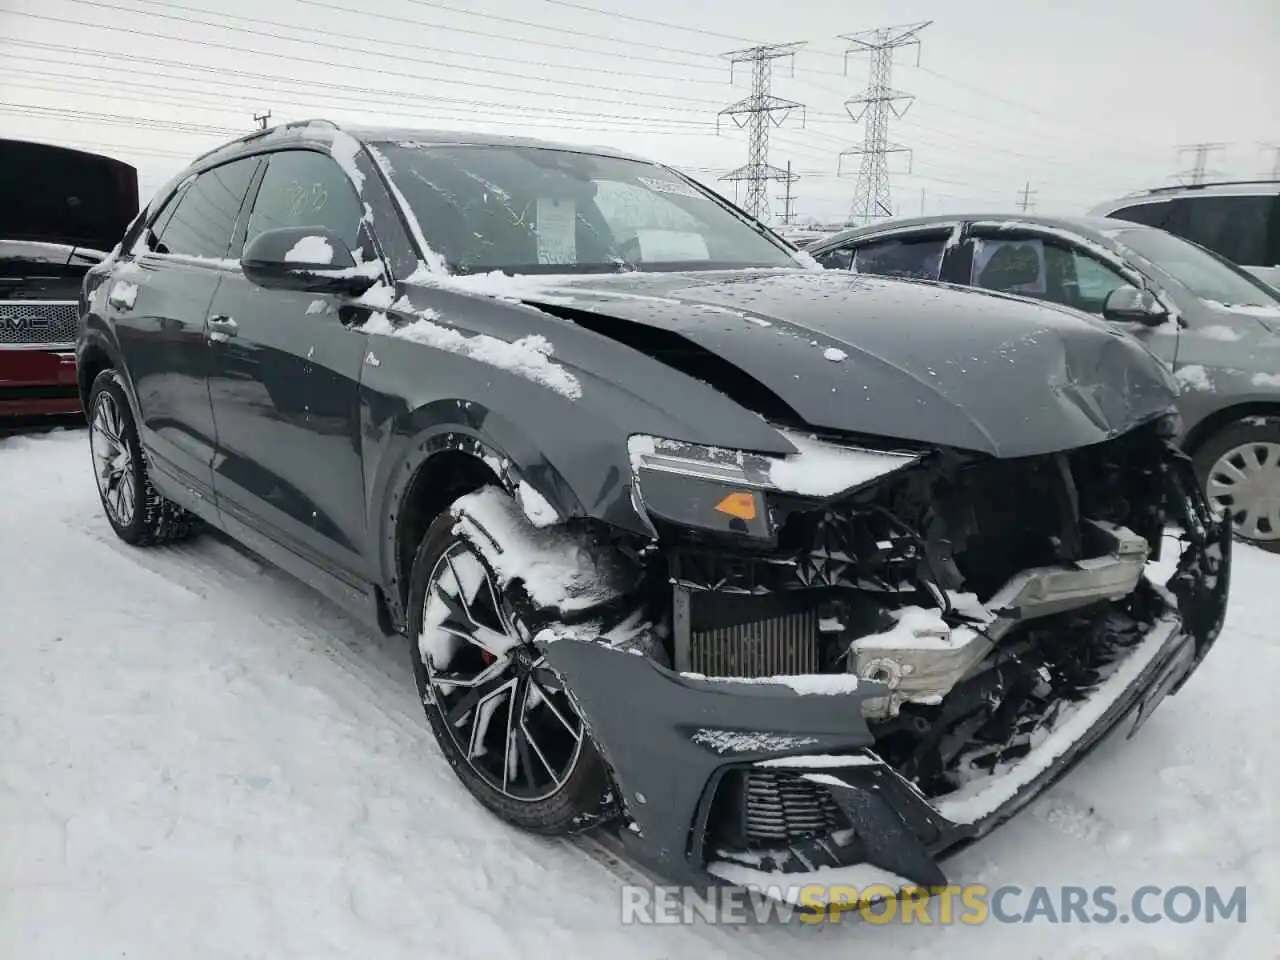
<point>1216,326</point>
<point>1238,220</point>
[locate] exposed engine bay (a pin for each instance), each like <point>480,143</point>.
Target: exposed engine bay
<point>985,594</point>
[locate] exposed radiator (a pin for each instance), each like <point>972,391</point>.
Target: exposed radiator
<point>777,646</point>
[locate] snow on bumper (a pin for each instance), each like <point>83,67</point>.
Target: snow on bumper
<point>672,741</point>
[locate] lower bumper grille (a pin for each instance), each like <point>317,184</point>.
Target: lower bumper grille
<point>786,808</point>
<point>777,646</point>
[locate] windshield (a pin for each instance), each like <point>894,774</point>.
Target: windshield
<point>1205,274</point>
<point>538,210</point>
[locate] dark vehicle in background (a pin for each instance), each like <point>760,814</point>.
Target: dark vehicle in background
<point>1237,220</point>
<point>684,535</point>
<point>1215,325</point>
<point>60,211</point>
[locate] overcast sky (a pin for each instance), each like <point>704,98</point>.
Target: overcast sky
<point>1083,100</point>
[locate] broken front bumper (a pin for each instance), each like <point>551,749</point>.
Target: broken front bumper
<point>672,740</point>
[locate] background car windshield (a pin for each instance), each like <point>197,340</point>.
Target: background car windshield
<point>535,210</point>
<point>1203,273</point>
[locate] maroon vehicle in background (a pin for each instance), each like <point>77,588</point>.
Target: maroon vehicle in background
<point>60,211</point>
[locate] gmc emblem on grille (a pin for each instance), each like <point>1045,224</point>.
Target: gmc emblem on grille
<point>20,322</point>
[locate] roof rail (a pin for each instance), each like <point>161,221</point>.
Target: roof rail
<point>1174,188</point>
<point>255,134</point>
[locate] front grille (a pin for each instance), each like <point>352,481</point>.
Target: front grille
<point>776,646</point>
<point>782,808</point>
<point>25,322</point>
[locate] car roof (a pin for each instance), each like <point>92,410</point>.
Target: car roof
<point>1095,228</point>
<point>323,132</point>
<point>1221,188</point>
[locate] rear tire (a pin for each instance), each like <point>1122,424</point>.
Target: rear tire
<point>543,774</point>
<point>1239,470</point>
<point>138,514</point>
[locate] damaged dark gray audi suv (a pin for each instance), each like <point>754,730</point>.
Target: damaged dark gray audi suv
<point>777,573</point>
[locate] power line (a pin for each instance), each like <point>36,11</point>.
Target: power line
<point>457,79</point>
<point>758,111</point>
<point>871,195</point>
<point>1025,202</point>
<point>1199,165</point>
<point>332,105</point>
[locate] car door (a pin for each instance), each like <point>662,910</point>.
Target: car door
<point>915,253</point>
<point>158,303</point>
<point>284,381</point>
<point>1050,266</point>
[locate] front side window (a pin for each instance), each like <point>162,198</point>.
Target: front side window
<point>914,258</point>
<point>204,216</point>
<point>303,188</point>
<point>1048,269</point>
<point>1205,274</point>
<point>1235,227</point>
<point>540,210</point>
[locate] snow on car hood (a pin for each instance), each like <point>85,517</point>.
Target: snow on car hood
<point>919,362</point>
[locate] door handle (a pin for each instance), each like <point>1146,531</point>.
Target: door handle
<point>222,328</point>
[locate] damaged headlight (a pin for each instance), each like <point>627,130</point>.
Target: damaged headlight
<point>721,489</point>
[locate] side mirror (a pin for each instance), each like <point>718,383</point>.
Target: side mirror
<point>308,259</point>
<point>1126,304</point>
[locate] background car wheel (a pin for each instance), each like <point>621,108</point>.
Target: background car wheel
<point>502,718</point>
<point>137,513</point>
<point>1239,469</point>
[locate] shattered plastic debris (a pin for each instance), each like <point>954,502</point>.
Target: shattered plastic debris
<point>987,791</point>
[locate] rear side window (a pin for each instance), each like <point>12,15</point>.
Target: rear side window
<point>1150,214</point>
<point>1234,227</point>
<point>302,188</point>
<point>204,217</point>
<point>914,258</point>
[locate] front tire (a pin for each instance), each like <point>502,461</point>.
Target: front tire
<point>502,717</point>
<point>1239,470</point>
<point>137,513</point>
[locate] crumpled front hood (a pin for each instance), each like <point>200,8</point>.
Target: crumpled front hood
<point>919,362</point>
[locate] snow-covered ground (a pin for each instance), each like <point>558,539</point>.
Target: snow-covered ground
<point>200,758</point>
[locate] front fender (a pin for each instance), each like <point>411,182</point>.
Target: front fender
<point>96,336</point>
<point>408,443</point>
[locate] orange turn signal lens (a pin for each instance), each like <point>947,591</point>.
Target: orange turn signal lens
<point>740,504</point>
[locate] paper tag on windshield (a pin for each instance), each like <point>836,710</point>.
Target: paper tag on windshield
<point>658,246</point>
<point>557,231</point>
